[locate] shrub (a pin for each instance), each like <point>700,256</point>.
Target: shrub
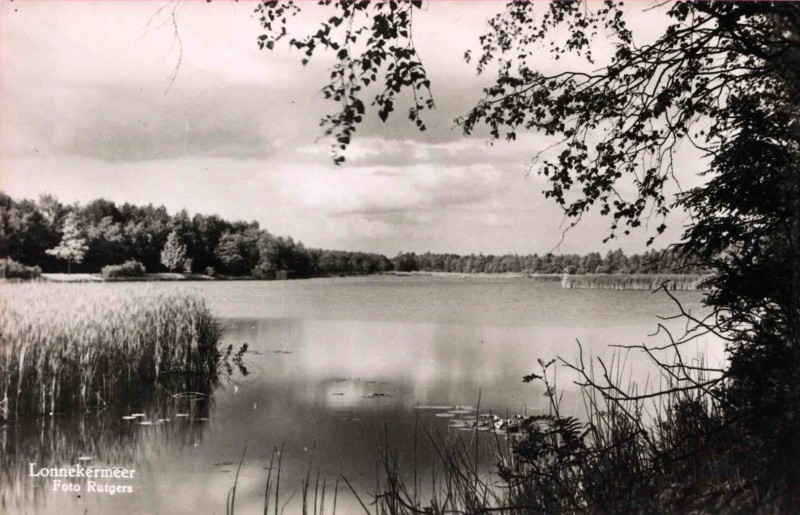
<point>210,271</point>
<point>10,269</point>
<point>130,268</point>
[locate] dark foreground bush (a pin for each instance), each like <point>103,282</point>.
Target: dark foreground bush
<point>130,268</point>
<point>10,269</point>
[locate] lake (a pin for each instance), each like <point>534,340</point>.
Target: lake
<point>335,370</point>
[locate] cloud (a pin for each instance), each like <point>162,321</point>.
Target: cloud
<point>383,195</point>
<point>124,123</point>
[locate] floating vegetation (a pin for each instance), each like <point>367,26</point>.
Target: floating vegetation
<point>491,422</point>
<point>82,345</point>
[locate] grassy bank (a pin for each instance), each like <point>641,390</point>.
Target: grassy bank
<point>62,347</point>
<point>632,281</point>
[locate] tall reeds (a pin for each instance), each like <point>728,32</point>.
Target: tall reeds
<point>83,345</point>
<point>633,281</point>
<point>665,451</point>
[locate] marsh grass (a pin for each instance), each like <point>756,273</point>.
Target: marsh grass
<point>634,281</point>
<point>312,503</point>
<point>667,450</point>
<point>82,346</point>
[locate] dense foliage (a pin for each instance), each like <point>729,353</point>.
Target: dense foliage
<point>108,234</point>
<point>130,268</point>
<point>10,269</point>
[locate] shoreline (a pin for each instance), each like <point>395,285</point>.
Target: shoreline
<point>571,281</point>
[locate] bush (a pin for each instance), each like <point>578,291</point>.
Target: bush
<point>130,268</point>
<point>210,271</point>
<point>10,269</point>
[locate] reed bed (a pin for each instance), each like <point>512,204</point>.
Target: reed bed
<point>634,281</point>
<point>66,346</point>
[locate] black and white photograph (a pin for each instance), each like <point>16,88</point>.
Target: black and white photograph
<point>399,257</point>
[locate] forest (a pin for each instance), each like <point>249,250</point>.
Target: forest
<point>100,233</point>
<point>614,262</point>
<point>113,234</point>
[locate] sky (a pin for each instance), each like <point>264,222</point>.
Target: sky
<point>111,99</point>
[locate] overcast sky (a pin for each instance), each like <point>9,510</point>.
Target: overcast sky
<point>89,109</point>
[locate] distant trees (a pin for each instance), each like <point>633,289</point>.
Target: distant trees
<point>174,253</point>
<point>651,262</point>
<point>72,247</point>
<point>112,234</point>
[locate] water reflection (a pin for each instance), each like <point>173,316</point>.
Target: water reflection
<point>128,433</point>
<point>338,366</point>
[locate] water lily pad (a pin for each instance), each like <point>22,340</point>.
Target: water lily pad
<point>459,424</point>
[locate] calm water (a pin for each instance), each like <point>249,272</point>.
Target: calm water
<point>337,368</point>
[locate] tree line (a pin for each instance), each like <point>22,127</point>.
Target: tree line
<point>58,237</point>
<point>61,237</point>
<point>615,262</point>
